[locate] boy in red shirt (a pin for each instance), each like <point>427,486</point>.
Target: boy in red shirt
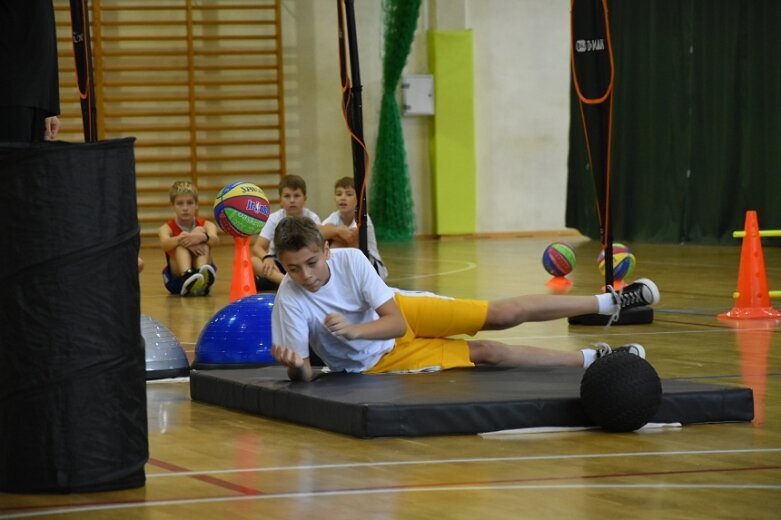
<point>187,240</point>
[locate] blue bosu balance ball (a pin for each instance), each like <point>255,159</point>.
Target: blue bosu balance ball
<point>165,356</point>
<point>238,336</point>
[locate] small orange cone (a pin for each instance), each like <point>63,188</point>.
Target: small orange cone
<point>754,299</point>
<point>559,285</point>
<point>243,277</point>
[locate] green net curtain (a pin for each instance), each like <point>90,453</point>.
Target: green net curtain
<point>697,122</point>
<point>391,198</point>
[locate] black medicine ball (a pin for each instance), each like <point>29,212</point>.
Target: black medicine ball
<point>621,392</point>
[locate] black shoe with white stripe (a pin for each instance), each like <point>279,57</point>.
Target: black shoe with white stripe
<point>639,293</point>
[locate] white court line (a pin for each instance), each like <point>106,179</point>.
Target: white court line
<point>468,266</point>
<point>464,461</point>
<point>392,490</point>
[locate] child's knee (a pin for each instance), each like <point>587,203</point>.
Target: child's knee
<point>484,352</point>
<point>505,313</point>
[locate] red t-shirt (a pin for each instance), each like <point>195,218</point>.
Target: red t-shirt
<point>176,230</point>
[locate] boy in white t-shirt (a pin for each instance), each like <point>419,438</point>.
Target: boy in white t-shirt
<point>292,198</point>
<point>334,302</point>
<point>347,201</point>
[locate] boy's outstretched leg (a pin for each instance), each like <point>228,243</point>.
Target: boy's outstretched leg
<point>496,353</point>
<point>509,312</point>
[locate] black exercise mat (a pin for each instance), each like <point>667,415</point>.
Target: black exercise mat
<point>463,401</point>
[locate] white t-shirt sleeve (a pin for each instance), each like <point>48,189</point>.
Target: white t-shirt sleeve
<point>311,214</point>
<point>333,219</point>
<point>289,325</point>
<point>271,225</point>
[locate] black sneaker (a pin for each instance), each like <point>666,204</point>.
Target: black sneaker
<point>639,293</point>
<point>209,275</point>
<point>603,349</point>
<point>192,279</point>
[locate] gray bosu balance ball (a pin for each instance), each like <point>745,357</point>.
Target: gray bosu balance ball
<point>165,356</point>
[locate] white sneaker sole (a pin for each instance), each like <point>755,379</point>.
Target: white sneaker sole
<point>208,274</point>
<point>635,349</point>
<point>655,296</point>
<point>191,283</point>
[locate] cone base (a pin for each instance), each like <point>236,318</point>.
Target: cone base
<point>750,313</point>
<point>559,285</point>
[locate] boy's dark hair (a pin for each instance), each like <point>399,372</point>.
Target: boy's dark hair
<point>296,233</point>
<point>345,182</point>
<point>292,182</point>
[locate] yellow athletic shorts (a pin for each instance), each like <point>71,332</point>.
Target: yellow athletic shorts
<point>426,346</point>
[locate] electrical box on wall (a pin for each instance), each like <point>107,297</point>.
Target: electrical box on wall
<point>417,95</point>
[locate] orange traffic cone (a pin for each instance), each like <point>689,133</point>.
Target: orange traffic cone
<point>243,277</point>
<point>754,299</point>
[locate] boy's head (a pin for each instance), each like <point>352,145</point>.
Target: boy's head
<point>292,195</point>
<point>346,200</point>
<point>302,251</point>
<point>184,199</point>
<point>182,188</point>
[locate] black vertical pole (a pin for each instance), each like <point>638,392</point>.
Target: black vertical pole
<point>592,72</point>
<point>354,108</point>
<point>82,54</point>
<point>593,77</point>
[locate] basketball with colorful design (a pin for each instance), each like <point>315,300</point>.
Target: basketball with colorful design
<point>241,209</point>
<point>558,259</point>
<point>623,261</point>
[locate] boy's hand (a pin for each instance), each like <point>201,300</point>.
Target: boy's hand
<point>188,239</point>
<point>345,237</point>
<point>269,267</point>
<point>339,326</point>
<point>287,357</point>
<point>51,128</point>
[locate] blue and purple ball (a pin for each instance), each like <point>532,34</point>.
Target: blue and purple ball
<point>558,259</point>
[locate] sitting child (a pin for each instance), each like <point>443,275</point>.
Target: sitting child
<point>335,303</point>
<point>187,240</point>
<point>347,201</point>
<point>292,198</point>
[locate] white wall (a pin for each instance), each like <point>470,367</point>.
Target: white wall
<point>521,60</point>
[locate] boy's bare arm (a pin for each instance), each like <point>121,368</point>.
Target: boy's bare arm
<point>260,247</point>
<point>298,368</point>
<point>167,242</point>
<point>390,324</point>
<point>211,229</point>
<point>341,236</point>
<point>207,234</point>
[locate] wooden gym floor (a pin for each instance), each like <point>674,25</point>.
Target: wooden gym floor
<point>208,462</point>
